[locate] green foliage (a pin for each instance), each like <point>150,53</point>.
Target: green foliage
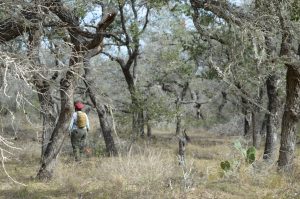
<point>81,8</point>
<point>210,73</point>
<point>225,165</point>
<point>158,108</point>
<point>207,18</point>
<point>238,146</point>
<point>248,154</point>
<point>99,150</point>
<point>157,3</point>
<point>182,8</point>
<point>246,157</point>
<point>251,153</point>
<point>134,30</point>
<point>295,12</point>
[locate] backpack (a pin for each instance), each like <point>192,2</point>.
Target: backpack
<point>81,119</point>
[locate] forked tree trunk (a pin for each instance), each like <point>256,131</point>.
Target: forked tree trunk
<point>105,124</point>
<point>136,106</point>
<point>53,148</point>
<point>290,119</point>
<point>178,104</point>
<point>43,88</point>
<point>104,120</point>
<point>271,120</point>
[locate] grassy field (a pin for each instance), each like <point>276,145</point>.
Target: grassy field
<point>150,169</point>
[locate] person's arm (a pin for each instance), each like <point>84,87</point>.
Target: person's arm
<point>87,123</point>
<point>72,123</point>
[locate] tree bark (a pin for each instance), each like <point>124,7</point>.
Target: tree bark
<point>132,44</point>
<point>43,87</point>
<point>141,123</point>
<point>178,102</point>
<point>264,125</point>
<point>149,129</point>
<point>290,118</point>
<point>60,131</point>
<point>178,116</point>
<point>178,124</point>
<point>292,105</point>
<point>105,122</point>
<point>271,120</point>
<point>245,113</point>
<point>137,109</point>
<point>246,126</point>
<point>137,117</point>
<point>47,111</point>
<point>107,131</point>
<point>256,118</point>
<point>255,132</point>
<point>223,103</point>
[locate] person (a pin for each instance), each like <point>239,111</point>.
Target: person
<point>79,126</point>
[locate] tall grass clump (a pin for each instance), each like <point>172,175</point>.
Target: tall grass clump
<point>143,174</point>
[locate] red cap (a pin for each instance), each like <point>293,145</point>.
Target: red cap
<point>79,105</point>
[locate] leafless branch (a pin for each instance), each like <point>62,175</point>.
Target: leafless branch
<point>117,59</point>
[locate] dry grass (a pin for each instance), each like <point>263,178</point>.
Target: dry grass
<point>151,170</point>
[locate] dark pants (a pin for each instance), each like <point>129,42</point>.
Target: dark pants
<point>78,137</point>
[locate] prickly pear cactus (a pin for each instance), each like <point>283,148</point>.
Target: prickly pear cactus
<point>225,165</point>
<point>251,153</point>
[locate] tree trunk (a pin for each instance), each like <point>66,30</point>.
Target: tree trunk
<point>289,120</point>
<point>107,131</point>
<point>255,132</point>
<point>178,124</point>
<point>256,118</point>
<point>141,123</point>
<point>178,103</point>
<point>181,150</point>
<point>222,105</point>
<point>138,123</point>
<point>149,127</point>
<point>246,126</point>
<point>53,148</point>
<point>43,88</point>
<point>178,117</point>
<point>60,130</point>
<point>48,116</point>
<point>136,106</point>
<point>137,116</point>
<point>264,125</point>
<point>271,121</point>
<point>105,122</point>
<point>245,113</point>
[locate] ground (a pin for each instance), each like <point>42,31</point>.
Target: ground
<point>150,169</point>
